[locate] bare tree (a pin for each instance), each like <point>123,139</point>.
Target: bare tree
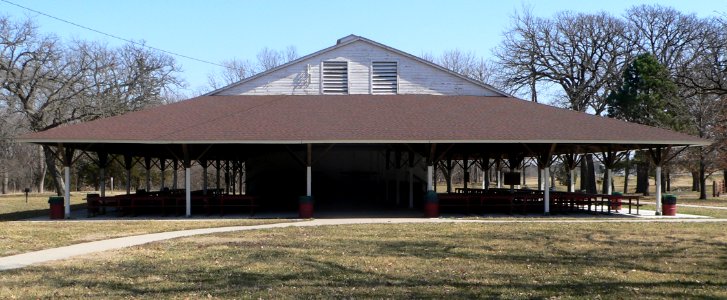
<point>237,69</point>
<point>706,71</point>
<point>582,53</point>
<point>671,36</point>
<point>465,63</point>
<point>50,83</point>
<point>268,58</point>
<point>694,51</point>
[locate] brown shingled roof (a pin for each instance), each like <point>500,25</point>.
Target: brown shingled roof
<point>359,119</point>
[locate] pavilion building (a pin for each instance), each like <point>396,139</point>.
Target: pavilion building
<point>358,125</point>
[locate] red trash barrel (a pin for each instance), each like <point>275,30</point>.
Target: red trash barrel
<point>669,205</point>
<point>305,207</point>
<point>616,201</point>
<point>431,205</point>
<point>56,208</point>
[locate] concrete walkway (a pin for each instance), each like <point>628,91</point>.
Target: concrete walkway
<point>41,256</point>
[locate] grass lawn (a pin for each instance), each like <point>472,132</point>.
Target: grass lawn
<point>23,236</point>
<point>693,198</point>
<point>714,213</point>
<point>14,207</point>
<point>527,260</point>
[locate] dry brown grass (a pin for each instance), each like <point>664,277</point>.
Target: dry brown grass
<point>596,260</point>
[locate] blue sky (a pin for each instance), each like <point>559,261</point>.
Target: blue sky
<point>215,30</point>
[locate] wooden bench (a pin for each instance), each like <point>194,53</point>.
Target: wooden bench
<point>630,203</point>
<point>494,201</point>
<point>236,201</point>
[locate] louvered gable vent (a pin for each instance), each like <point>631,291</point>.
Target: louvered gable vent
<point>335,77</point>
<point>384,77</point>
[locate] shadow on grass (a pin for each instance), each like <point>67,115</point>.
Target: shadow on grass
<point>346,263</point>
<point>27,214</point>
<point>326,278</point>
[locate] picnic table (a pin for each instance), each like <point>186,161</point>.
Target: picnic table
<point>165,202</point>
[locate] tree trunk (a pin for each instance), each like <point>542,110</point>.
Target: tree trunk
<point>50,161</point>
<point>702,179</point>
<point>584,175</point>
<point>78,181</point>
<point>605,183</point>
<point>642,177</point>
<point>668,181</point>
<point>175,167</point>
<point>5,180</point>
<point>663,180</point>
<point>552,178</point>
<point>591,187</point>
<point>486,174</point>
<point>627,169</point>
<point>695,181</point>
<point>42,169</point>
<point>448,180</point>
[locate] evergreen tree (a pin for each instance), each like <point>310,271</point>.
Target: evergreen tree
<point>647,95</point>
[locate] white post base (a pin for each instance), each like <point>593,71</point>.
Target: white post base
<point>658,191</point>
<point>308,181</point>
<point>572,177</point>
<point>546,191</point>
<point>430,178</point>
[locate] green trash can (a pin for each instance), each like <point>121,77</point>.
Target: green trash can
<point>56,207</point>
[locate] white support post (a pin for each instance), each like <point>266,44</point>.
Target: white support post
<point>102,182</point>
<point>546,192</point>
<point>430,178</point>
<point>571,179</point>
<point>540,179</point>
<point>67,196</point>
<point>658,190</point>
<point>308,181</point>
<point>188,190</point>
<point>411,188</point>
<point>483,178</point>
<point>609,184</point>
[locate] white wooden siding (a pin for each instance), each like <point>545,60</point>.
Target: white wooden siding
<point>303,78</point>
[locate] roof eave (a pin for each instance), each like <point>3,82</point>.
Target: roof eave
<point>367,141</point>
